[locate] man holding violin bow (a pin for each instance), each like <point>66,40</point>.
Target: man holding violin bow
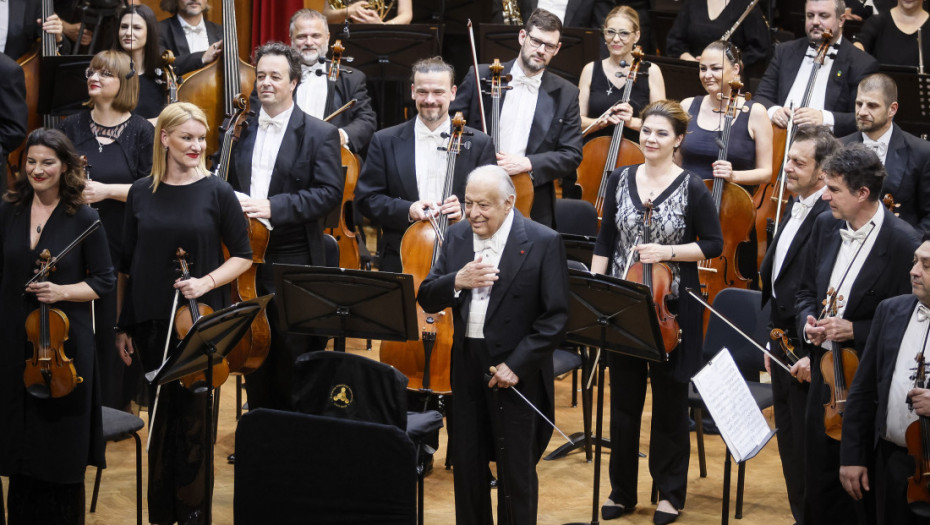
<point>781,273</point>
<point>853,261</point>
<point>886,399</point>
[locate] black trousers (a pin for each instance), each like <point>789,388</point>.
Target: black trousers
<point>271,385</point>
<point>790,405</point>
<point>669,441</point>
<point>177,458</point>
<point>893,467</point>
<point>485,421</point>
<point>35,502</point>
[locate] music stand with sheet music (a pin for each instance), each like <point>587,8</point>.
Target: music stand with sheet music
<point>617,316</point>
<point>207,343</point>
<point>913,98</point>
<point>578,46</point>
<point>63,89</point>
<point>387,54</point>
<point>340,303</point>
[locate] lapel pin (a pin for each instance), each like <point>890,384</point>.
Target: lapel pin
<point>522,252</point>
<point>839,73</point>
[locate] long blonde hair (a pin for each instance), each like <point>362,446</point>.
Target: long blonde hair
<point>170,118</point>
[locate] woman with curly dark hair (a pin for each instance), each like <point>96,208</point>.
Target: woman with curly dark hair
<point>47,442</point>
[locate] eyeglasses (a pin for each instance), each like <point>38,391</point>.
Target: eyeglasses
<point>624,35</point>
<point>536,43</point>
<point>103,73</point>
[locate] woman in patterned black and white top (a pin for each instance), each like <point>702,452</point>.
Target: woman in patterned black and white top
<point>685,229</point>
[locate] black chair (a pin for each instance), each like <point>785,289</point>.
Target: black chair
<point>576,217</point>
<point>350,386</point>
<point>117,426</point>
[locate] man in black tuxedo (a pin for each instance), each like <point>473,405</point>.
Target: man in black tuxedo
<point>539,118</point>
<point>884,401</point>
<point>572,13</point>
<point>194,40</point>
<point>831,102</point>
<point>506,280</point>
<point>310,37</point>
<point>286,166</point>
<point>781,273</point>
<point>403,179</point>
<point>14,114</point>
<point>906,157</point>
<point>856,252</point>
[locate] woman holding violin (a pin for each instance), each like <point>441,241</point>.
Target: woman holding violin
<point>136,23</point>
<point>683,229</point>
<point>47,443</point>
<point>180,206</point>
<point>116,144</point>
<point>602,82</point>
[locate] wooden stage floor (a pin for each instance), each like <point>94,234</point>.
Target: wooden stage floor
<point>565,484</point>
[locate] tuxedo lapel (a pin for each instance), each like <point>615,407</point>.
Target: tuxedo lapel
<point>840,67</point>
<point>16,17</point>
<point>830,244</point>
<point>874,267</point>
<point>405,159</point>
<point>243,156</point>
<point>545,110</point>
<point>289,144</point>
<point>789,70</point>
<point>895,162</point>
<point>803,232</point>
<point>516,251</point>
<point>179,39</point>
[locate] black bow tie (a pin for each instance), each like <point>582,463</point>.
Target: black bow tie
<point>816,45</point>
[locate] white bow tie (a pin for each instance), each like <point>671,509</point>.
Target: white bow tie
<point>799,210</point>
<point>434,136</point>
<point>923,313</point>
<point>878,147</point>
<point>487,245</point>
<point>857,236</point>
<point>265,122</point>
<point>531,83</point>
<point>193,30</point>
<point>309,71</point>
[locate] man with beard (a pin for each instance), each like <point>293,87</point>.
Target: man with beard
<point>404,175</point>
<point>785,81</point>
<point>310,37</point>
<point>194,40</point>
<point>906,157</point>
<point>540,123</point>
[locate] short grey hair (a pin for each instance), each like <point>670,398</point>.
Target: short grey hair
<point>308,13</point>
<point>505,183</point>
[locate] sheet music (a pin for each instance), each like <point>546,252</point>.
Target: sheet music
<point>741,423</point>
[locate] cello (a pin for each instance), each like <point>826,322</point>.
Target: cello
<point>428,365</point>
<point>734,207</point>
<point>252,349</point>
<point>769,198</point>
<point>214,88</point>
<point>838,367</point>
<point>917,437</point>
<point>602,155</point>
<point>169,76</point>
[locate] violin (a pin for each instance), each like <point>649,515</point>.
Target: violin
<point>770,198</point>
<point>522,182</point>
<point>428,364</point>
<point>49,372</point>
<point>838,367</point>
<point>917,437</point>
<point>602,155</point>
<point>888,201</point>
<point>184,319</point>
<point>252,349</point>
<point>169,76</point>
<point>784,343</point>
<point>658,278</point>
<point>735,209</point>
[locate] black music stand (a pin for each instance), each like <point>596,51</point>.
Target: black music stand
<point>579,247</point>
<point>63,89</point>
<point>387,55</point>
<point>208,342</point>
<point>913,98</point>
<point>340,303</point>
<point>682,77</point>
<point>616,316</point>
<point>578,46</point>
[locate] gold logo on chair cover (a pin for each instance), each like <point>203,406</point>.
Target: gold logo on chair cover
<point>342,396</point>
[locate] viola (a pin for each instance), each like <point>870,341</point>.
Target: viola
<point>253,348</point>
<point>735,209</point>
<point>658,278</point>
<point>49,372</point>
<point>770,198</point>
<point>917,437</point>
<point>184,319</point>
<point>838,367</point>
<point>427,364</point>
<point>522,182</point>
<point>602,155</point>
<point>784,343</point>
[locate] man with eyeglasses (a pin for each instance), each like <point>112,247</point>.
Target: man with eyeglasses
<point>540,124</point>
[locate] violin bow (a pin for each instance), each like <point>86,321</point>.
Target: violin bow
<point>474,59</point>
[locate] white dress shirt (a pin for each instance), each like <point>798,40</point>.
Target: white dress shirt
<point>556,7</point>
<point>518,111</point>
<point>880,146</point>
<point>819,93</point>
<point>850,256</point>
<point>490,251</point>
<point>430,160</point>
<point>898,415</point>
<point>799,212</point>
<point>4,23</point>
<point>312,91</point>
<point>196,36</point>
<point>267,143</point>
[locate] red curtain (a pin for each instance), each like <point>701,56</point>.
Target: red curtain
<point>271,20</point>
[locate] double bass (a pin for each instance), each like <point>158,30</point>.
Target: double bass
<point>522,182</point>
<point>602,155</point>
<point>770,198</point>
<point>838,367</point>
<point>214,88</point>
<point>735,209</point>
<point>428,364</point>
<point>252,349</point>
